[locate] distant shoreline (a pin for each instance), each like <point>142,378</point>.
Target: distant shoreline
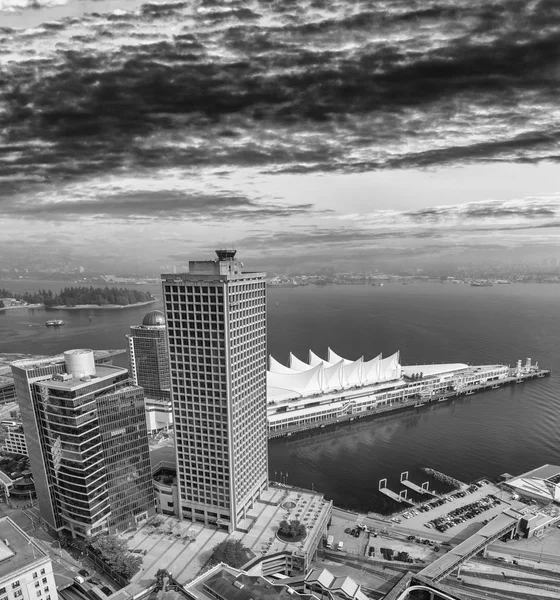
<point>82,306</point>
<point>100,306</point>
<point>20,307</point>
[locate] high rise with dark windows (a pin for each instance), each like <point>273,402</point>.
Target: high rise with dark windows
<point>149,368</point>
<point>216,320</point>
<point>85,429</point>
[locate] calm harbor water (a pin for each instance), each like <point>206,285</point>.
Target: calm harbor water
<point>510,429</point>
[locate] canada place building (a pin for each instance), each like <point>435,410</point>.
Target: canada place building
<point>85,428</point>
<point>216,323</point>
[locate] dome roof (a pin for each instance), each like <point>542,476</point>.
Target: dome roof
<point>154,319</point>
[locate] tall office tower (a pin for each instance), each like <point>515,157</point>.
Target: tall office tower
<point>216,320</point>
<point>148,358</point>
<point>85,429</point>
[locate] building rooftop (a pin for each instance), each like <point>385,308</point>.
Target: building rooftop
<point>545,472</point>
<point>437,369</point>
<point>102,372</point>
<point>28,362</point>
<point>21,552</point>
<point>6,381</point>
<point>225,584</point>
<point>155,318</point>
<point>186,277</point>
<point>5,479</point>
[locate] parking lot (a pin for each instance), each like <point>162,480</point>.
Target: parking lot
<point>341,529</point>
<point>412,548</point>
<point>459,513</point>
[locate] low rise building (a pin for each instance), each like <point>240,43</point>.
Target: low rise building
<point>323,584</point>
<point>536,522</point>
<point>15,441</point>
<point>25,569</point>
<point>541,484</point>
<point>165,489</point>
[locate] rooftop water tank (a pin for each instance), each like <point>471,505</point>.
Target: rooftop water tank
<point>79,363</point>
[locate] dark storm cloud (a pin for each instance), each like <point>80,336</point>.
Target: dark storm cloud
<point>157,204</point>
<point>318,236</point>
<point>291,86</point>
<point>486,151</point>
<point>487,210</point>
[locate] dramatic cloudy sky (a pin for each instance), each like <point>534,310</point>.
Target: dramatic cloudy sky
<point>302,131</point>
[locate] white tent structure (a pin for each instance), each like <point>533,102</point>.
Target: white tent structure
<point>319,376</point>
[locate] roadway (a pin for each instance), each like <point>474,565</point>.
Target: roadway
<point>65,567</point>
<point>509,549</point>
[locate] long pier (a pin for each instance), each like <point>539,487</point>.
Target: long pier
<point>410,403</point>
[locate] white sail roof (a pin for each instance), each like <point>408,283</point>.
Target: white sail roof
<point>321,376</point>
<point>315,360</point>
<point>353,372</point>
<point>334,358</point>
<point>389,368</point>
<point>304,382</point>
<point>370,370</point>
<point>298,365</point>
<point>277,367</point>
<point>333,377</point>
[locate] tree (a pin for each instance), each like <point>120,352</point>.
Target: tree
<point>292,529</point>
<point>231,552</point>
<point>114,552</point>
<point>161,574</point>
<point>2,305</point>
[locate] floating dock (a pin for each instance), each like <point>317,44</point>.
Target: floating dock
<point>394,496</point>
<point>416,488</point>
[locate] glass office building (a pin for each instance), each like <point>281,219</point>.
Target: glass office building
<point>149,368</point>
<point>85,430</point>
<point>216,320</point>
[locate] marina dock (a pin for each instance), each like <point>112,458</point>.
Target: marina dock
<point>416,488</point>
<point>394,496</point>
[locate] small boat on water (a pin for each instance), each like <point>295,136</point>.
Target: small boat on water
<point>55,323</point>
<point>481,284</point>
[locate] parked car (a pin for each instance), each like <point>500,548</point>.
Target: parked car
<point>106,590</point>
<point>83,573</point>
